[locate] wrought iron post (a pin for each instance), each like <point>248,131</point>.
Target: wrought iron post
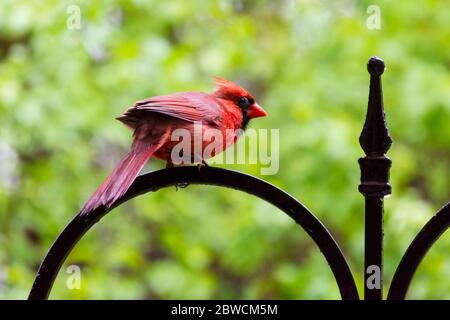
<point>375,141</point>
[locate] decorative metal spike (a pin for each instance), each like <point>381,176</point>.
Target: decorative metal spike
<point>375,139</point>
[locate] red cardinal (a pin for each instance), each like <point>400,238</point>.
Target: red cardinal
<point>229,107</point>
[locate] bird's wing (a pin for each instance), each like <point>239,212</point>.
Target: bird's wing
<point>188,106</point>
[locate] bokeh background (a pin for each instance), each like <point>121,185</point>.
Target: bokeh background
<point>305,61</point>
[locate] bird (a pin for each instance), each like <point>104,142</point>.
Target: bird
<point>154,120</point>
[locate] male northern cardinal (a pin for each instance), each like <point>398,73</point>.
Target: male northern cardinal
<point>229,107</point>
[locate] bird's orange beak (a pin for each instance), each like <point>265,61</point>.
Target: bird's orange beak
<point>255,111</point>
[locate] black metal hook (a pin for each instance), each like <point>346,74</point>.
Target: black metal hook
<point>209,176</point>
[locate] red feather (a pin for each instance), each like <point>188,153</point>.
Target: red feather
<point>187,106</point>
<point>123,175</point>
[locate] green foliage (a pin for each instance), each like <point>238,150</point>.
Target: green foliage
<point>60,90</point>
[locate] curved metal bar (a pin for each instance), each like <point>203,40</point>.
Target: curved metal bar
<point>416,251</point>
<point>209,176</point>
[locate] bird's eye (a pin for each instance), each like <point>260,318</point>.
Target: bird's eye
<point>243,102</point>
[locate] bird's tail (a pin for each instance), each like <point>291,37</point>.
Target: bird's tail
<point>122,177</point>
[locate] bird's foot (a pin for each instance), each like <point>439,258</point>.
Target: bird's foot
<point>181,185</point>
<point>169,165</point>
<point>201,165</point>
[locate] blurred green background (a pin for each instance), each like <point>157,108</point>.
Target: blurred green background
<point>305,61</point>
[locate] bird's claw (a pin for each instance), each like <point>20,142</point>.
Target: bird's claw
<point>201,165</point>
<point>181,185</point>
<point>169,165</point>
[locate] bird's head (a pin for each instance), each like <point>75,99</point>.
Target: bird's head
<point>228,90</point>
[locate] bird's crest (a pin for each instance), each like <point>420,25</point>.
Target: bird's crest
<point>228,89</point>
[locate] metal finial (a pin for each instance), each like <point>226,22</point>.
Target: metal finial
<point>375,139</point>
<point>375,66</point>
